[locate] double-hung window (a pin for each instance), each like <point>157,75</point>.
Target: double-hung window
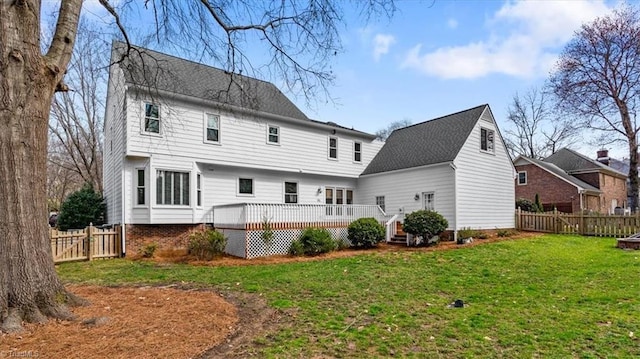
<point>140,187</point>
<point>273,135</point>
<point>151,118</point>
<point>357,152</point>
<point>522,178</point>
<point>487,140</point>
<point>380,202</point>
<point>429,199</point>
<point>172,188</point>
<point>290,192</point>
<point>199,190</point>
<point>212,132</point>
<point>333,147</point>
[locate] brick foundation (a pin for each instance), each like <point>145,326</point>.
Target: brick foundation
<point>166,236</point>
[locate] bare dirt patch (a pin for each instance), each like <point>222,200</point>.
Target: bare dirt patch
<point>173,322</point>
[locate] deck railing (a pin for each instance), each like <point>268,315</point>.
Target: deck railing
<point>286,216</point>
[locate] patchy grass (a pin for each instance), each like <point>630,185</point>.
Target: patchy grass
<point>551,296</point>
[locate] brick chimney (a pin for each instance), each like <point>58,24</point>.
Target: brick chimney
<point>603,157</point>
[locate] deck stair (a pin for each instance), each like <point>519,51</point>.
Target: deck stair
<point>400,237</point>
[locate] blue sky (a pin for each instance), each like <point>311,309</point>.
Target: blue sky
<point>436,58</point>
<point>433,58</point>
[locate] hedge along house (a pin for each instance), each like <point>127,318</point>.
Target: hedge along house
<point>188,145</point>
<point>456,165</point>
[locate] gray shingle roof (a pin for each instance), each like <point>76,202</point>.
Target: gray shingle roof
<point>434,141</point>
<point>572,162</point>
<point>148,68</point>
<point>559,172</point>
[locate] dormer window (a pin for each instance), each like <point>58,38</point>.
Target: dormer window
<point>487,140</point>
<point>151,118</point>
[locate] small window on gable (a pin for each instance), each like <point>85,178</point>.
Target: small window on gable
<point>151,118</point>
<point>290,192</point>
<point>212,132</point>
<point>333,147</point>
<point>522,178</point>
<point>273,135</point>
<point>357,151</point>
<point>487,140</point>
<point>245,186</point>
<point>140,187</point>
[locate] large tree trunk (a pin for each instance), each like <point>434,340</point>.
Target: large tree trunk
<point>633,174</point>
<point>29,286</point>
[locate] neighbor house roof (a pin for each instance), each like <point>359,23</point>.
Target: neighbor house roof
<point>153,70</point>
<point>556,171</point>
<point>431,142</point>
<point>573,162</point>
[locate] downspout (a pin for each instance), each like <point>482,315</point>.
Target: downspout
<point>455,202</point>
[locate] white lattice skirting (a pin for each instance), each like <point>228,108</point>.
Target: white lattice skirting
<point>250,244</point>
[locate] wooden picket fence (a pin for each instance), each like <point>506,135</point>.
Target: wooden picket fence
<point>86,244</point>
<point>598,225</point>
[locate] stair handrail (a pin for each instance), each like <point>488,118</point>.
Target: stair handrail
<point>390,228</point>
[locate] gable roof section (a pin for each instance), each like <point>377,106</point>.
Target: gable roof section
<point>155,71</point>
<point>558,172</point>
<point>574,162</point>
<point>431,142</point>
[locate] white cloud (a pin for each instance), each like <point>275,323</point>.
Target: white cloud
<point>452,23</point>
<point>524,39</point>
<point>381,45</point>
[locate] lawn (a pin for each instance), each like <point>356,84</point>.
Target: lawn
<point>552,296</point>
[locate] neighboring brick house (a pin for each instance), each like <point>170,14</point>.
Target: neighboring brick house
<point>570,182</point>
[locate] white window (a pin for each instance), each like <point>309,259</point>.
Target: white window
<point>212,131</point>
<point>172,188</point>
<point>290,192</point>
<point>487,140</point>
<point>429,199</point>
<point>245,186</point>
<point>273,135</point>
<point>338,196</point>
<point>357,152</point>
<point>333,147</point>
<point>151,118</point>
<point>199,190</point>
<point>140,187</point>
<point>522,178</point>
<point>380,202</point>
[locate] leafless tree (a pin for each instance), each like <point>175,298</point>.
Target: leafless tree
<point>76,122</point>
<point>300,38</point>
<point>384,133</point>
<point>597,78</point>
<point>537,131</point>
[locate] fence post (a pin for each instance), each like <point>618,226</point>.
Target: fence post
<point>518,218</point>
<point>582,226</point>
<point>555,220</point>
<point>90,241</point>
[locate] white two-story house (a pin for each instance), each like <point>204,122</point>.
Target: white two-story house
<point>188,145</point>
<point>182,138</point>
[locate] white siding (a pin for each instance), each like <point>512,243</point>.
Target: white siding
<point>400,188</point>
<point>243,141</point>
<point>485,193</point>
<point>114,145</point>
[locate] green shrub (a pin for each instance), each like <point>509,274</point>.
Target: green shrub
<point>365,232</point>
<point>425,224</point>
<point>148,250</point>
<point>205,245</point>
<point>82,208</point>
<point>313,241</point>
<point>526,205</point>
<point>467,232</point>
<point>505,233</point>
